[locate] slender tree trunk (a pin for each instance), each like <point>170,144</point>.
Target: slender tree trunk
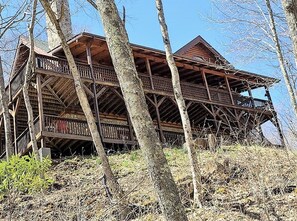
<point>195,168</point>
<point>6,115</point>
<point>28,74</point>
<point>131,86</point>
<point>281,58</point>
<point>290,9</point>
<point>112,183</point>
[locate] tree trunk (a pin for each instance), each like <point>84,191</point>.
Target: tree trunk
<point>281,58</point>
<point>195,168</point>
<point>28,74</point>
<point>112,183</point>
<point>290,9</point>
<point>131,86</point>
<point>6,115</point>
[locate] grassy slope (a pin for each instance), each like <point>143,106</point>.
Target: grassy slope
<point>239,184</point>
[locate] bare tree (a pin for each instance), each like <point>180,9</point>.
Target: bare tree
<point>115,189</point>
<point>290,9</point>
<point>280,56</point>
<point>30,69</point>
<point>6,115</point>
<point>7,23</point>
<point>181,106</point>
<point>255,36</point>
<point>131,86</point>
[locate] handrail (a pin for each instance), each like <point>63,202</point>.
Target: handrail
<point>26,130</point>
<point>159,82</point>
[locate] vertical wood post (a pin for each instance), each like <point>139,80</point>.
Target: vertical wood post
<point>206,84</point>
<point>229,89</point>
<point>132,138</point>
<point>277,124</point>
<point>15,126</point>
<point>40,103</point>
<point>251,96</point>
<point>148,67</point>
<point>9,89</point>
<point>96,104</point>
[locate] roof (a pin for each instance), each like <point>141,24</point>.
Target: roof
<point>195,42</point>
<point>41,46</point>
<point>187,61</point>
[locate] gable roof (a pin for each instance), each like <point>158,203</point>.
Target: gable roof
<point>40,47</point>
<point>159,54</point>
<point>196,44</point>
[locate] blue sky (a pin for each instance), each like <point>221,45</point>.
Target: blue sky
<point>184,19</point>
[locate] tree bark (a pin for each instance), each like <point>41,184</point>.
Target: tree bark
<point>131,86</point>
<point>290,9</point>
<point>112,183</point>
<point>195,168</point>
<point>28,74</point>
<point>281,58</point>
<point>6,115</point>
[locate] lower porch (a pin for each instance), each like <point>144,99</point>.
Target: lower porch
<point>70,134</point>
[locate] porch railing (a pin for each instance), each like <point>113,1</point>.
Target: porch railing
<point>111,132</point>
<point>63,125</point>
<point>162,84</point>
<point>78,127</point>
<point>24,138</point>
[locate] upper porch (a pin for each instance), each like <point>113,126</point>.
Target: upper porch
<point>221,94</point>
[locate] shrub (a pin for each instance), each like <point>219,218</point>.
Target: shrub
<point>24,175</point>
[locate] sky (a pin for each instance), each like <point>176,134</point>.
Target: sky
<point>184,19</point>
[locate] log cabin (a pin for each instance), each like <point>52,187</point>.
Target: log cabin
<point>219,97</point>
<point>212,87</point>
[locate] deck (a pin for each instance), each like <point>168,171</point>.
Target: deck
<point>68,128</point>
<point>104,75</point>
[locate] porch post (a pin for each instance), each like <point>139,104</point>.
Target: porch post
<point>229,89</point>
<point>148,67</point>
<point>251,96</point>
<point>96,104</point>
<point>14,129</point>
<point>15,108</point>
<point>206,84</point>
<point>40,103</point>
<point>277,124</point>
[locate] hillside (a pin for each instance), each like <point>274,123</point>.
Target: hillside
<point>239,183</point>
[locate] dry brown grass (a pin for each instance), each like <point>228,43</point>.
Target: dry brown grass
<point>240,183</point>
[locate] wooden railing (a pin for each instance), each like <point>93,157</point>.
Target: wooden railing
<point>162,84</point>
<point>174,138</point>
<point>63,125</point>
<point>78,127</point>
<point>116,132</point>
<point>24,138</point>
<point>111,132</point>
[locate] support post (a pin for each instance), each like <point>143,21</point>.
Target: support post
<point>277,124</point>
<point>96,104</point>
<point>251,96</point>
<point>40,103</point>
<point>229,89</point>
<point>15,126</point>
<point>130,127</point>
<point>206,84</point>
<point>148,67</point>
